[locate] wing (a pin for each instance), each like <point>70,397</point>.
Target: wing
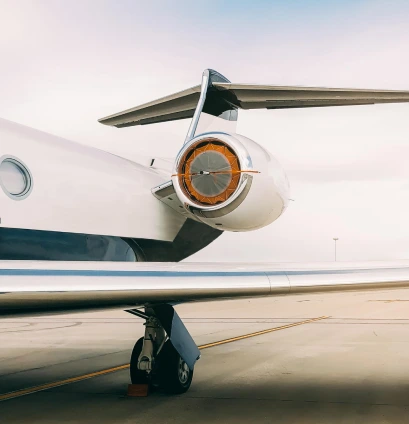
<point>29,287</point>
<point>226,96</point>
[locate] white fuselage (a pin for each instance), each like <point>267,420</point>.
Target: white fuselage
<point>79,189</point>
<point>87,204</point>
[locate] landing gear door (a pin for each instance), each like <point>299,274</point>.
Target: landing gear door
<point>180,338</point>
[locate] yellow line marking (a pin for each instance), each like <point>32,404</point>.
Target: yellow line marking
<point>259,333</point>
<point>47,386</point>
<point>34,389</point>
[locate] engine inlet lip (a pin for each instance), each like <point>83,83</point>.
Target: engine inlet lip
<point>210,145</point>
<point>244,162</point>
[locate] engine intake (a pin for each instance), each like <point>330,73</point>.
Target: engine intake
<point>209,172</point>
<point>229,182</point>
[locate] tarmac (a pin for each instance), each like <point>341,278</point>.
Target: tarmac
<point>350,367</point>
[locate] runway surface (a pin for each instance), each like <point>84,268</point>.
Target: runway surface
<point>350,367</point>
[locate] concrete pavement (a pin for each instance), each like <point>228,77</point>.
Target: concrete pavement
<point>352,367</point>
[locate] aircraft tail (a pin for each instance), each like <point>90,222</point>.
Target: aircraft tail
<point>218,97</point>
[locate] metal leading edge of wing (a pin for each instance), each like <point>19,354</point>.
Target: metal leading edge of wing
<point>36,287</point>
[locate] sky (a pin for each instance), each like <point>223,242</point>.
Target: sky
<point>66,64</point>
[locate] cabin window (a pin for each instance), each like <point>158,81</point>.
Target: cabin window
<point>15,179</point>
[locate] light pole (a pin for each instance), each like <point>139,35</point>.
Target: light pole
<point>335,240</point>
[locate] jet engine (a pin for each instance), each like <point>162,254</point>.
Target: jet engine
<point>230,182</point>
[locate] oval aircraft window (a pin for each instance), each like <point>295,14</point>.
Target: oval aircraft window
<point>15,179</point>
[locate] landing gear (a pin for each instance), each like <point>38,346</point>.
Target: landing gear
<point>155,360</point>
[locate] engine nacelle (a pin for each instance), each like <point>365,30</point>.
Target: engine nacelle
<point>230,182</point>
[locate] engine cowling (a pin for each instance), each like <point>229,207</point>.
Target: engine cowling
<point>230,182</point>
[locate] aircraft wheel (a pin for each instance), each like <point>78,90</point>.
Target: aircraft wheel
<point>175,375</point>
<point>137,376</point>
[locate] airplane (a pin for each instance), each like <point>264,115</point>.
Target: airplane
<point>83,229</point>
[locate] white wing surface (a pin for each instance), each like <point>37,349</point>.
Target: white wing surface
<point>37,287</point>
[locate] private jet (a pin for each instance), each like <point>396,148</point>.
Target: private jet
<point>82,229</point>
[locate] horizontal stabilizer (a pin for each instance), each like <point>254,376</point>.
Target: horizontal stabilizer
<point>180,105</point>
<point>224,96</point>
<point>248,96</point>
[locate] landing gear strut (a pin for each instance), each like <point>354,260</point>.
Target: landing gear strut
<point>165,356</point>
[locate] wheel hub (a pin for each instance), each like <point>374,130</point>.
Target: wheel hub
<point>184,371</point>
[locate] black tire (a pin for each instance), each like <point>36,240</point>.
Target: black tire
<point>174,374</point>
<point>137,376</point>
